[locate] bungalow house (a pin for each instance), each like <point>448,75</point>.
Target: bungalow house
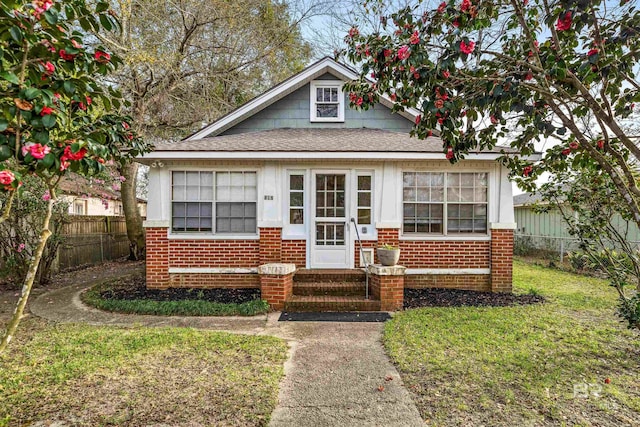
<point>295,188</point>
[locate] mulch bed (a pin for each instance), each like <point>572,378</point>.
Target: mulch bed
<point>134,288</point>
<point>416,298</point>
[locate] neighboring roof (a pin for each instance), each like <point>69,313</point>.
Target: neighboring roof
<point>293,83</point>
<point>526,199</point>
<point>78,185</point>
<point>315,140</point>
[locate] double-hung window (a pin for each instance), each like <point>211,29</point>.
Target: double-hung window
<point>327,101</point>
<point>214,202</point>
<point>444,203</point>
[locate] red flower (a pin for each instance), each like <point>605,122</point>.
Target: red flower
<point>416,75</point>
<point>429,133</point>
<point>607,381</point>
<point>456,23</point>
<point>600,144</point>
<point>526,171</point>
<point>102,57</point>
<point>525,2</point>
<point>528,76</point>
<point>592,52</point>
<point>75,44</point>
<point>88,99</point>
<point>439,103</point>
<point>125,125</point>
<point>6,177</point>
<point>494,120</point>
<point>66,56</point>
<point>352,32</point>
<point>130,136</point>
<point>566,151</point>
<point>564,22</point>
<point>358,103</point>
<point>82,106</point>
<point>441,120</point>
<point>467,47</point>
<point>415,38</point>
<point>442,7</point>
<point>38,151</point>
<point>403,52</point>
<point>446,74</point>
<point>449,153</point>
<point>573,145</point>
<point>49,68</point>
<point>466,4</point>
<point>393,97</point>
<point>70,155</point>
<point>387,53</point>
<point>418,119</point>
<point>46,111</point>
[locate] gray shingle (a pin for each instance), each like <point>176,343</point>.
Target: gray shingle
<point>310,140</point>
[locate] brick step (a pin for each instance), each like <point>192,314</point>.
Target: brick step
<point>329,288</point>
<point>297,303</point>
<point>329,275</point>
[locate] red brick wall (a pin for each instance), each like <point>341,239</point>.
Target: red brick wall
<point>276,289</point>
<point>445,254</point>
<point>206,280</point>
<point>501,260</point>
<point>389,290</point>
<point>157,257</point>
<point>470,282</point>
<point>388,236</point>
<point>294,252</point>
<point>270,245</point>
<point>214,253</point>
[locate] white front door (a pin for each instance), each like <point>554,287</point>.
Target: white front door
<point>330,242</point>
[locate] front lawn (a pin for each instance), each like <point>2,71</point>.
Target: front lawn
<point>566,362</point>
<point>86,375</point>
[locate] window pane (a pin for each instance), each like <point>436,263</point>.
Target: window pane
<point>480,194</point>
<point>453,194</point>
<point>423,179</point>
<point>223,194</point>
<point>319,94</point>
<point>237,210</point>
<point>193,224</point>
<point>327,95</point>
<point>237,194</point>
<point>193,178</point>
<point>206,179</point>
<point>409,194</point>
<point>334,94</point>
<point>223,225</point>
<point>481,179</point>
<point>296,182</point>
<point>423,194</point>
<point>178,224</point>
<point>437,194</point>
<point>193,209</point>
<point>467,179</point>
<point>467,194</point>
<point>222,178</point>
<point>364,199</point>
<point>437,179</point>
<point>250,179</point>
<point>237,179</point>
<point>250,225</point>
<point>206,193</point>
<point>296,216</point>
<point>453,179</point>
<point>205,209</point>
<point>327,110</point>
<point>179,178</point>
<point>237,225</point>
<point>437,211</point>
<point>364,216</point>
<point>364,182</point>
<point>179,209</point>
<point>295,199</point>
<point>250,210</point>
<point>223,210</point>
<point>409,210</point>
<point>178,193</point>
<point>250,193</point>
<point>409,179</point>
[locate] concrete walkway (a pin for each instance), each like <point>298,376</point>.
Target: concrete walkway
<point>337,373</point>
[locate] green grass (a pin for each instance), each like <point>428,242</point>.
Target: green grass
<point>519,365</point>
<point>87,375</point>
<point>193,307</point>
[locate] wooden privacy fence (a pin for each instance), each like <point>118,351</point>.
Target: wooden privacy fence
<point>92,240</point>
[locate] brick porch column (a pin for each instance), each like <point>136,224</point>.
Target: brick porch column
<point>387,285</point>
<point>502,257</point>
<point>270,245</point>
<point>157,260</point>
<point>276,283</point>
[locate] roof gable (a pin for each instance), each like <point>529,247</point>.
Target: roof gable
<point>278,92</point>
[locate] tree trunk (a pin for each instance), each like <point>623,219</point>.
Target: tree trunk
<point>31,275</point>
<point>135,231</point>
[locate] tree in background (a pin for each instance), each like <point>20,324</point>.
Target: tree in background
<point>191,61</point>
<point>485,71</point>
<point>55,116</point>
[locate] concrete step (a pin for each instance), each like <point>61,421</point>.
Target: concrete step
<point>329,275</point>
<point>329,288</point>
<point>297,303</point>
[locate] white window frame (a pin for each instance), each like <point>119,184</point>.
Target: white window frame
<point>445,232</point>
<point>213,234</point>
<point>83,204</point>
<point>371,195</point>
<point>317,84</point>
<point>302,174</point>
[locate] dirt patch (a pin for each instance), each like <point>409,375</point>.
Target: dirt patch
<point>134,288</point>
<point>416,298</point>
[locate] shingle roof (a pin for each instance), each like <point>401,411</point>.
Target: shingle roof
<point>526,199</point>
<point>315,140</point>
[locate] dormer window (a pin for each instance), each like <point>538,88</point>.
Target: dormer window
<point>327,101</point>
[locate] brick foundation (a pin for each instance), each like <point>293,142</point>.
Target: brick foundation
<point>469,282</point>
<point>270,245</point>
<point>501,260</point>
<point>294,252</point>
<point>387,285</point>
<point>217,280</point>
<point>157,263</point>
<point>276,283</point>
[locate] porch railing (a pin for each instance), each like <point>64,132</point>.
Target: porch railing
<point>364,259</point>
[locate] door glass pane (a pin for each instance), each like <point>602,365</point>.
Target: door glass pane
<point>296,182</point>
<point>364,182</point>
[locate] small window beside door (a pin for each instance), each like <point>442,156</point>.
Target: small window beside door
<point>363,200</point>
<point>296,199</point>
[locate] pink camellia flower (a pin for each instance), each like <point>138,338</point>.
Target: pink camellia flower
<point>528,76</point>
<point>467,47</point>
<point>442,7</point>
<point>352,32</point>
<point>527,170</point>
<point>573,145</point>
<point>456,23</point>
<point>26,148</point>
<point>415,37</point>
<point>6,177</point>
<point>66,56</point>
<point>592,52</point>
<point>46,196</point>
<point>125,125</point>
<point>41,6</point>
<point>564,22</point>
<point>38,151</point>
<point>49,68</point>
<point>46,111</point>
<point>466,4</point>
<point>102,57</point>
<point>600,144</point>
<point>566,151</point>
<point>403,52</point>
<point>418,119</point>
<point>439,103</point>
<point>449,153</point>
<point>359,101</point>
<point>446,74</point>
<point>20,247</point>
<point>494,120</point>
